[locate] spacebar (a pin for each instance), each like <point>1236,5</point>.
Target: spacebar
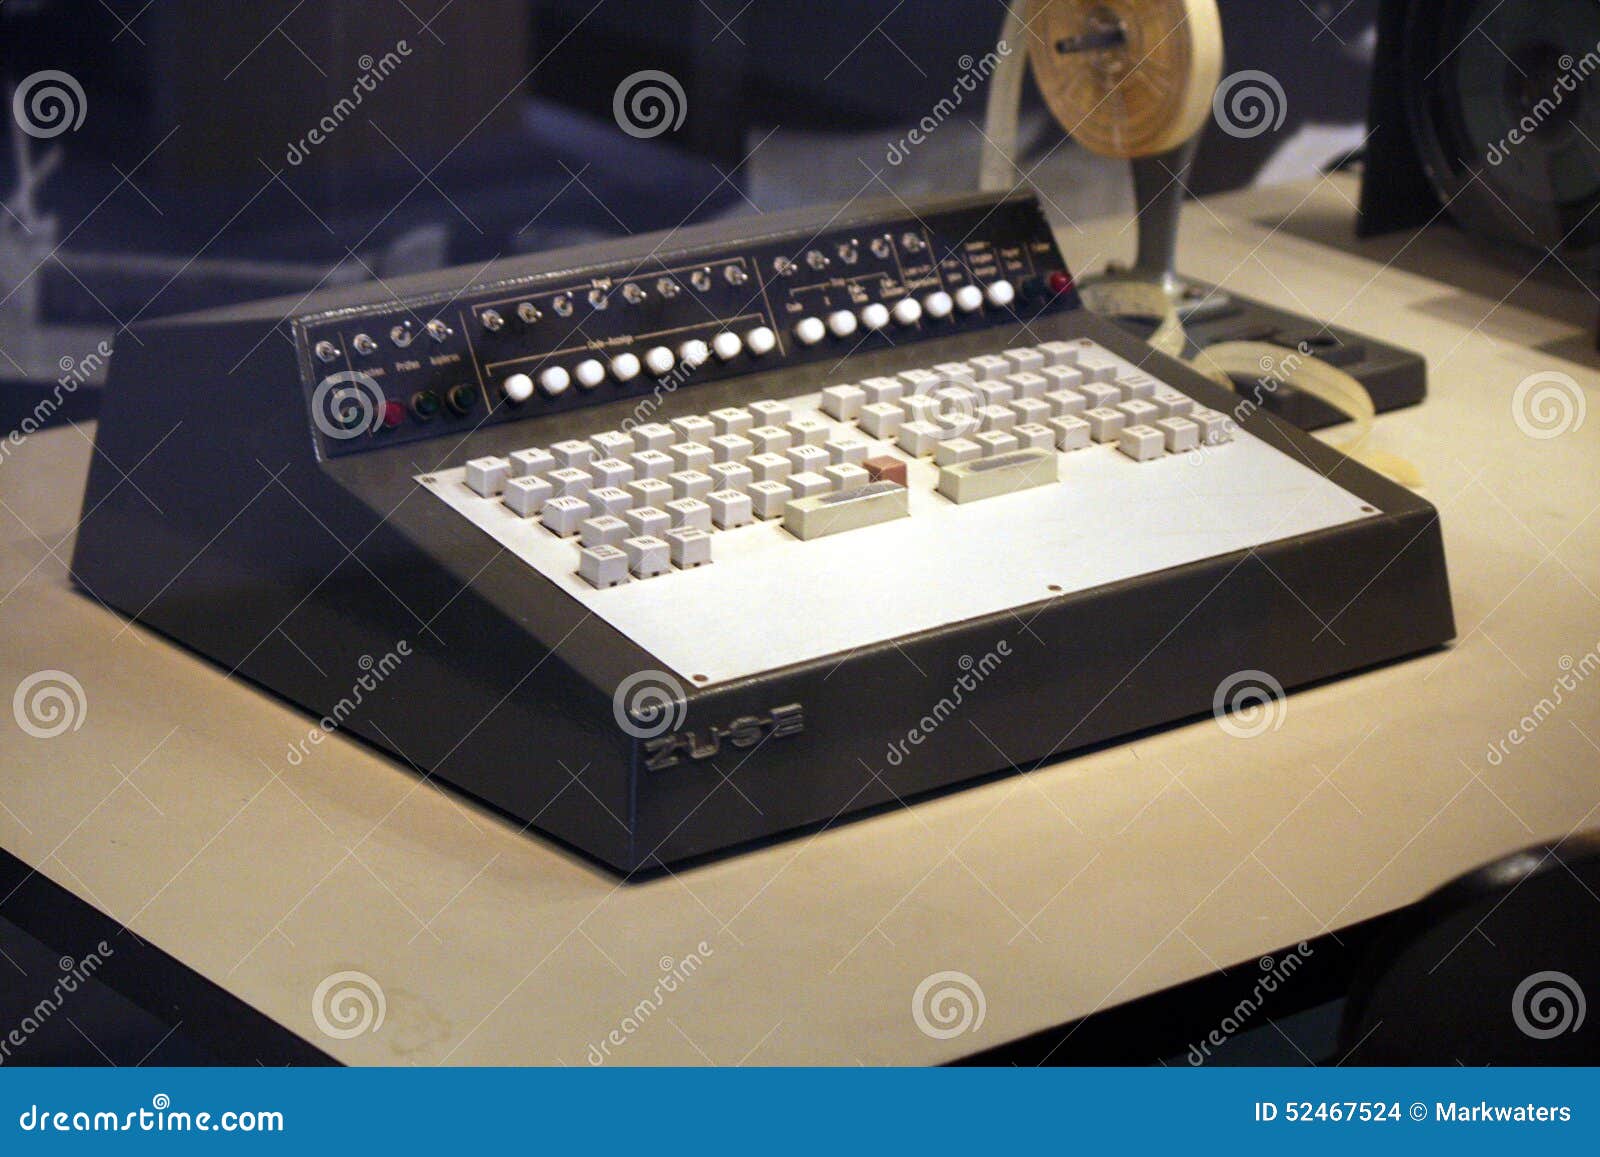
<point>1002,474</point>
<point>868,505</point>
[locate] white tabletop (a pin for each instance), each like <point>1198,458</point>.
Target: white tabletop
<point>172,805</point>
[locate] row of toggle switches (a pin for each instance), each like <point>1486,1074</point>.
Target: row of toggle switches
<point>590,373</point>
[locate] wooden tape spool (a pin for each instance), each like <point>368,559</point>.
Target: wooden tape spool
<point>1127,78</point>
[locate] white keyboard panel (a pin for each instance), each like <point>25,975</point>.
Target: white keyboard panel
<point>782,583</point>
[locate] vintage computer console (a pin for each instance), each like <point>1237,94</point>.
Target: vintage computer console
<point>683,542</point>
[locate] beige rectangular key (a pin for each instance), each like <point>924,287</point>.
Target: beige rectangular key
<point>808,518</point>
<point>1002,474</point>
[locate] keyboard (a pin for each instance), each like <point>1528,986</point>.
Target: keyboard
<point>702,539</point>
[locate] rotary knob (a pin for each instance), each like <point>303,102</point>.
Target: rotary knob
<point>809,330</point>
<point>908,311</point>
<point>969,299</point>
<point>554,381</point>
<point>659,360</point>
<point>727,345</point>
<point>518,387</point>
<point>760,340</point>
<point>590,373</point>
<point>842,323</point>
<point>1001,293</point>
<point>625,367</point>
<point>875,316</point>
<point>938,304</point>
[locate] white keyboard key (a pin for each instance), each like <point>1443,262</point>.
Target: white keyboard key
<point>648,555</point>
<point>688,547</point>
<point>1001,474</point>
<point>730,508</point>
<point>650,491</point>
<point>843,402</point>
<point>730,476</point>
<point>989,367</point>
<point>1061,377</point>
<point>732,420</point>
<point>770,413</point>
<point>920,407</point>
<point>651,464</point>
<point>653,436</point>
<point>1072,432</point>
<point>574,452</point>
<point>1105,423</point>
<point>528,494</point>
<point>996,418</point>
<point>878,390</point>
<point>846,476</point>
<point>689,484</point>
<point>609,500</point>
<point>1099,365</point>
<point>952,451</point>
<point>613,444</point>
<point>1024,359</point>
<point>1141,412</point>
<point>570,482</point>
<point>731,448</point>
<point>1137,384</point>
<point>1058,353</point>
<point>611,472</point>
<point>602,530</point>
<point>809,485</point>
<point>1064,402</point>
<point>564,515</point>
<point>689,514</point>
<point>648,521</point>
<point>809,431</point>
<point>690,455</point>
<point>1034,436</point>
<point>956,373</point>
<point>804,458</point>
<point>1141,443</point>
<point>996,393</point>
<point>1028,384</point>
<point>1172,403</point>
<point>602,566</point>
<point>535,461</point>
<point>919,439</point>
<point>1180,434</point>
<point>486,477</point>
<point>818,515</point>
<point>921,381</point>
<point>694,428</point>
<point>770,467</point>
<point>770,439</point>
<point>769,498</point>
<point>1034,410</point>
<point>881,419</point>
<point>1215,428</point>
<point>1099,394</point>
<point>851,450</point>
<point>996,442</point>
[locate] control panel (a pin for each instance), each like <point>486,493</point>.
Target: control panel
<point>401,370</point>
